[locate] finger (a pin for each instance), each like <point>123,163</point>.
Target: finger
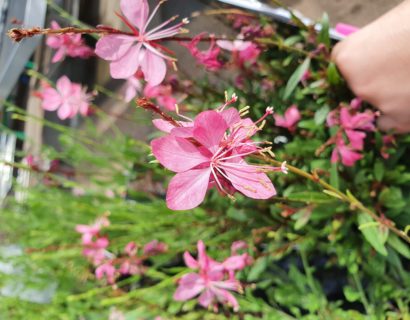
<point>387,123</point>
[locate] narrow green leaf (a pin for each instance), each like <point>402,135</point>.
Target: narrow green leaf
<point>372,233</point>
<point>302,217</point>
<point>321,115</point>
<point>295,78</point>
<point>333,75</point>
<point>324,36</point>
<point>379,170</point>
<point>351,294</point>
<point>257,269</point>
<point>398,245</point>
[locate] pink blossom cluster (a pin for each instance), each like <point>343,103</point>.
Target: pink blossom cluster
<point>68,44</point>
<point>140,51</point>
<point>213,281</point>
<point>67,98</point>
<point>209,151</point>
<point>352,128</point>
<point>107,265</point>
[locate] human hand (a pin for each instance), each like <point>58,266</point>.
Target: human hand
<point>375,61</point>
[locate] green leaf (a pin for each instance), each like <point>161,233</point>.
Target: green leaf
<point>379,170</point>
<point>398,245</point>
<point>334,176</point>
<point>321,115</point>
<point>295,78</point>
<point>257,269</point>
<point>372,233</point>
<point>324,32</point>
<point>333,75</point>
<point>351,294</point>
<point>302,217</point>
<point>237,214</point>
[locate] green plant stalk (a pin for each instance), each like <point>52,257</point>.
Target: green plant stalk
<point>345,197</point>
<point>363,298</point>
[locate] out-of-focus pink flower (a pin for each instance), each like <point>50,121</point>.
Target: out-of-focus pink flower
<point>238,245</point>
<point>356,103</point>
<point>345,29</point>
<point>141,50</point>
<point>107,271</point>
<point>216,158</point>
<point>67,98</point>
<point>212,283</point>
<point>155,247</point>
<point>163,96</point>
<point>68,44</point>
<point>207,58</point>
<point>116,314</point>
<point>90,231</point>
<point>131,249</point>
<point>131,88</point>
<point>95,251</point>
<point>290,119</point>
<point>131,266</point>
<point>348,155</point>
<point>243,51</point>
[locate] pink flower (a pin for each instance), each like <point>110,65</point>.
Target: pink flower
<point>163,96</point>
<point>290,118</point>
<point>348,155</point>
<point>207,58</point>
<point>131,88</point>
<point>129,53</point>
<point>205,154</point>
<point>238,245</point>
<point>96,250</point>
<point>243,51</point>
<point>345,29</point>
<point>68,44</point>
<point>90,231</point>
<point>107,271</point>
<point>155,247</point>
<point>210,283</point>
<point>67,98</point>
<point>236,45</point>
<point>131,266</point>
<point>131,249</point>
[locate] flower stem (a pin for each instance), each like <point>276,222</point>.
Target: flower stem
<point>345,197</point>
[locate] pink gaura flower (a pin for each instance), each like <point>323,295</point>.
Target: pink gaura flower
<point>243,51</point>
<point>212,282</point>
<point>207,58</point>
<point>95,251</point>
<point>209,151</point>
<point>128,53</point>
<point>67,98</point>
<point>345,29</point>
<point>163,96</point>
<point>155,247</point>
<point>346,153</point>
<point>131,88</point>
<point>131,266</point>
<point>91,231</point>
<point>290,119</point>
<point>68,44</point>
<point>107,271</point>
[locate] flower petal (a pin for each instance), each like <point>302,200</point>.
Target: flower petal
<point>206,298</point>
<point>51,99</point>
<point>231,116</point>
<point>113,47</point>
<point>209,129</point>
<point>190,262</point>
<point>190,285</point>
<point>187,189</point>
<point>249,181</point>
<point>177,154</point>
<point>127,65</point>
<point>64,86</point>
<point>136,11</point>
<point>154,68</point>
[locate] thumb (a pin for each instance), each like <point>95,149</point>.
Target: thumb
<point>387,123</point>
